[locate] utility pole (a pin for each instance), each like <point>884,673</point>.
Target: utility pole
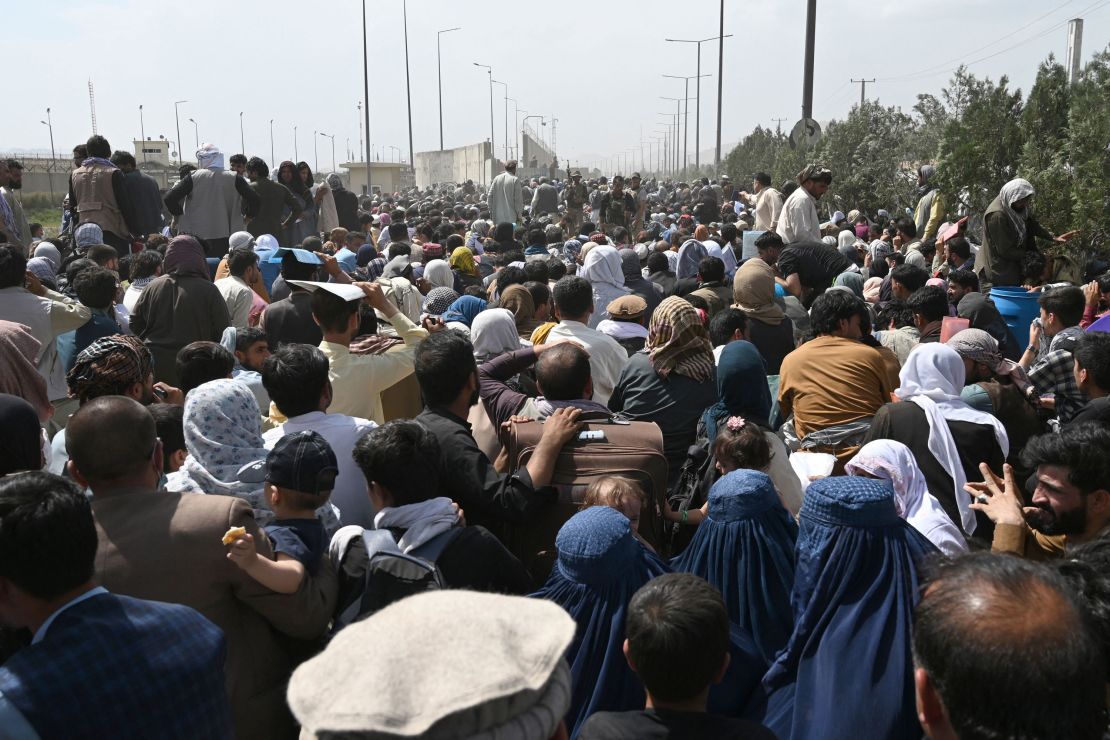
<point>439,72</point>
<point>242,137</point>
<point>408,90</point>
<point>492,143</point>
<point>142,133</point>
<point>778,124</point>
<point>366,99</point>
<point>697,123</point>
<point>720,82</point>
<point>863,90</point>
<point>807,81</point>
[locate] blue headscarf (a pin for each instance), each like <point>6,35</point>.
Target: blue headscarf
<point>745,548</point>
<point>571,249</point>
<point>848,664</point>
<point>464,310</point>
<point>690,254</point>
<point>600,566</point>
<point>741,388</point>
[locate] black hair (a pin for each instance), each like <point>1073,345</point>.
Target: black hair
<point>238,159</point>
<point>292,269</point>
<point>102,254</point>
<point>1103,283</point>
<point>122,159</point>
<point>331,312</point>
<point>964,279</point>
<point>145,264</point>
<point>398,249</point>
<point>403,457</point>
<point>251,335</point>
<point>832,307</point>
<point>1033,265</point>
<point>1087,571</point>
<point>895,314</point>
<point>169,421</point>
<point>535,271</point>
<point>911,277</point>
<point>258,166</point>
<point>711,269</point>
<point>444,364</point>
<point>96,287</point>
<point>75,268</point>
<point>13,266</point>
<point>295,377</point>
<point>200,362</point>
<point>541,294</point>
<point>47,535</point>
<point>312,243</point>
<point>1066,302</point>
<point>556,270</point>
<point>563,371</point>
<point>1092,353</point>
<point>241,260</point>
<point>678,633</point>
<point>97,146</point>
<point>768,240</point>
<point>1084,449</point>
<point>959,246</point>
<point>762,178</point>
<point>928,248</point>
<point>658,262</point>
<point>728,235</point>
<point>398,231</point>
<point>574,296</point>
<point>907,227</point>
<point>537,237</point>
<point>725,323</point>
<point>931,302</point>
<point>510,276</point>
<point>453,242</point>
<point>897,258</point>
<point>1018,660</point>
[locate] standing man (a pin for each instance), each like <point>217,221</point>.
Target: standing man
<point>273,198</point>
<point>765,200</point>
<point>799,221</point>
<point>207,202</point>
<point>98,195</point>
<point>929,213</point>
<point>505,196</point>
<point>142,191</point>
<point>546,199</point>
<point>576,196</point>
<point>1009,232</point>
<point>14,182</point>
<point>617,206</point>
<point>639,195</point>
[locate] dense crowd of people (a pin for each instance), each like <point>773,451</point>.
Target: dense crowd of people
<point>553,458</point>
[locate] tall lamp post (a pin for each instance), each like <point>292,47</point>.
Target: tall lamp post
<point>492,143</point>
<point>272,162</point>
<point>360,153</point>
<point>242,136</point>
<point>315,153</point>
<point>439,71</point>
<point>396,149</point>
<point>296,154</point>
<point>516,117</point>
<point>142,135</point>
<point>196,131</point>
<point>686,121</point>
<point>506,147</point>
<point>522,123</point>
<point>332,137</point>
<point>677,128</point>
<point>408,88</point>
<point>697,122</point>
<point>177,120</point>
<point>49,123</point>
<point>366,98</point>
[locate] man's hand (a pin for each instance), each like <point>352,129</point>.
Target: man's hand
<point>1036,331</point>
<point>34,285</point>
<point>433,324</point>
<point>997,498</point>
<point>169,394</point>
<point>375,296</point>
<point>561,426</point>
<point>331,264</point>
<point>242,552</point>
<point>1092,294</point>
<point>1067,236</point>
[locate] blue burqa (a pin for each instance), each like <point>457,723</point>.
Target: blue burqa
<point>847,671</point>
<point>745,548</point>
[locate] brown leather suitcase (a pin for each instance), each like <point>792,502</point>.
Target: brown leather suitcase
<point>629,449</point>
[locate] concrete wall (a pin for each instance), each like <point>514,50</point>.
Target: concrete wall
<point>454,165</point>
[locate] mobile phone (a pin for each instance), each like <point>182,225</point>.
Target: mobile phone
<point>160,393</point>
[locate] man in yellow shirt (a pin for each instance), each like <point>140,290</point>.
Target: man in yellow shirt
<point>358,380</point>
<point>1071,504</point>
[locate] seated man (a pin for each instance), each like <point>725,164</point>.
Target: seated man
<point>905,280</point>
<point>99,665</point>
<point>404,482</point>
<point>448,377</point>
<point>251,347</point>
<point>1071,503</point>
<point>711,285</point>
<point>1001,649</point>
<point>562,376</point>
<point>296,378</point>
<point>678,644</point>
<point>1092,375</point>
<point>168,547</point>
<point>929,306</point>
<point>1048,358</point>
<point>200,362</point>
<point>963,293</point>
<point>730,325</point>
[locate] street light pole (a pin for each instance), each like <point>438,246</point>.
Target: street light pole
<point>142,135</point>
<point>408,87</point>
<point>506,146</point>
<point>315,153</point>
<point>177,120</point>
<point>242,136</point>
<point>697,133</point>
<point>439,71</point>
<point>492,144</point>
<point>196,132</point>
<point>686,122</point>
<point>526,121</point>
<point>49,123</point>
<point>366,98</point>
<point>332,137</point>
<point>677,127</point>
<point>272,162</point>
<point>296,154</point>
<point>516,139</point>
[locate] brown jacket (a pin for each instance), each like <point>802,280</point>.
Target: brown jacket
<point>167,547</point>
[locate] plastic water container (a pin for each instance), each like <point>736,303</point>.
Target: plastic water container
<point>1018,307</point>
<point>780,292</point>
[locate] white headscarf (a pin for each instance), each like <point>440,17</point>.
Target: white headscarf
<point>603,266</point>
<point>1011,193</point>
<point>438,273</point>
<point>933,377</point>
<point>493,332</point>
<point>893,461</point>
<point>846,239</point>
<point>209,157</point>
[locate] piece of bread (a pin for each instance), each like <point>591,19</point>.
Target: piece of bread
<point>233,534</point>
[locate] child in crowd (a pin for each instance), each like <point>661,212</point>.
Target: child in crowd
<point>623,494</point>
<point>299,475</point>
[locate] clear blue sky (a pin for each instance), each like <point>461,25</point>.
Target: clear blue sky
<point>597,66</point>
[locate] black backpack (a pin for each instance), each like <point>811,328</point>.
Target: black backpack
<point>691,490</point>
<point>374,573</point>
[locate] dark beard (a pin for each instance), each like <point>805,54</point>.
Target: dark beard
<point>1048,522</point>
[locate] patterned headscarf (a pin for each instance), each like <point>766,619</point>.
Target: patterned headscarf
<point>677,341</point>
<point>86,236</point>
<point>185,257</point>
<point>223,432</point>
<point>462,259</point>
<point>439,300</point>
<point>108,367</point>
<point>375,267</point>
<point>571,249</point>
<point>979,346</point>
<point>1013,191</point>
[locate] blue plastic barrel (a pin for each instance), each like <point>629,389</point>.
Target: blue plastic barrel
<point>1018,307</point>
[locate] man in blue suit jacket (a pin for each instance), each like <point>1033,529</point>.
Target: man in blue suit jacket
<point>99,665</point>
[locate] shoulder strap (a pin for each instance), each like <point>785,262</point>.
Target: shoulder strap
<point>378,541</point>
<point>433,548</point>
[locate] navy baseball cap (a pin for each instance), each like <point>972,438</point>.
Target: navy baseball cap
<point>302,461</point>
